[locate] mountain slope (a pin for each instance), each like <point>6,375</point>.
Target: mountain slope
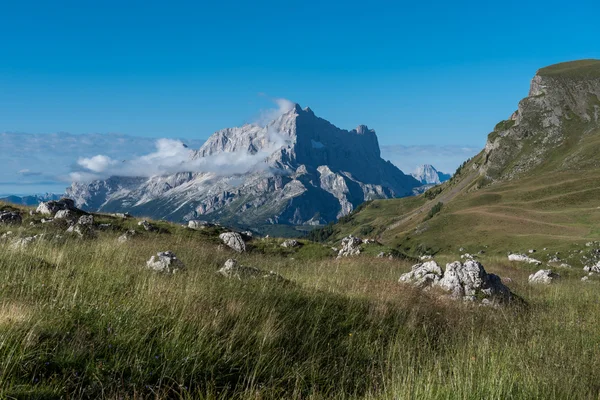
<point>297,170</point>
<point>535,185</point>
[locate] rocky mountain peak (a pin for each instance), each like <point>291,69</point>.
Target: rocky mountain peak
<point>428,175</point>
<point>561,110</point>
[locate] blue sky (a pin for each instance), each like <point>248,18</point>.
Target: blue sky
<point>419,73</point>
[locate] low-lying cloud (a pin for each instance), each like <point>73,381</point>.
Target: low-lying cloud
<point>172,156</point>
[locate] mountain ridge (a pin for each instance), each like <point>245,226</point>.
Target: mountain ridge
<point>305,171</point>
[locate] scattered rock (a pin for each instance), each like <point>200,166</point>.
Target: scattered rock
<point>10,218</point>
<point>585,279</point>
<point>234,240</point>
<point>594,268</point>
<point>543,276</point>
<point>21,243</point>
<point>381,255</point>
<point>165,262</point>
<point>83,231</point>
<point>232,269</point>
<point>290,243</point>
<point>198,225</point>
<point>350,246</point>
<point>126,236</point>
<point>531,251</point>
<point>468,256</point>
<point>122,215</point>
<point>86,220</point>
<point>147,226</point>
<point>45,221</point>
<point>523,258</point>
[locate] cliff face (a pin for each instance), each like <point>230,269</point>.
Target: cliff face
<point>552,128</point>
<point>308,172</point>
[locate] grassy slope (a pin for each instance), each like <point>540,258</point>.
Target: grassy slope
<point>85,319</point>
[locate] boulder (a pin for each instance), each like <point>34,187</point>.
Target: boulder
<point>593,268</point>
<point>290,243</point>
<point>122,215</point>
<point>198,225</point>
<point>165,262</point>
<point>86,220</point>
<point>147,226</point>
<point>350,246</point>
<point>53,206</point>
<point>423,275</point>
<point>83,231</point>
<point>10,218</point>
<point>381,254</point>
<point>232,269</point>
<point>126,236</point>
<point>523,258</point>
<point>543,276</point>
<point>234,240</point>
<point>63,214</point>
<point>468,281</point>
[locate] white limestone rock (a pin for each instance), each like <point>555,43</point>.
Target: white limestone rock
<point>543,276</point>
<point>165,262</point>
<point>233,240</point>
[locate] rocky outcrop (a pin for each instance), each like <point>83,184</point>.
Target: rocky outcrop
<point>126,236</point>
<point>233,240</point>
<point>165,262</point>
<point>561,108</point>
<point>148,227</point>
<point>307,171</point>
<point>543,276</point>
<point>468,281</point>
<point>350,247</point>
<point>53,206</point>
<point>10,218</point>
<point>198,225</point>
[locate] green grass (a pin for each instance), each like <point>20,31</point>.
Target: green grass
<point>580,69</point>
<point>85,319</point>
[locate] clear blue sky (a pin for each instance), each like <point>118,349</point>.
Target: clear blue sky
<point>419,72</point>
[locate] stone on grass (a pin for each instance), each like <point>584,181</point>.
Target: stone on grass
<point>126,236</point>
<point>63,214</point>
<point>10,218</point>
<point>198,225</point>
<point>234,240</point>
<point>350,246</point>
<point>232,269</point>
<point>543,276</point>
<point>53,206</point>
<point>165,262</point>
<point>290,243</point>
<point>147,226</point>
<point>86,220</point>
<point>523,258</point>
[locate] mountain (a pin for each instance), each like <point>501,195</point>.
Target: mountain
<point>428,175</point>
<point>31,200</point>
<point>535,185</point>
<point>303,171</point>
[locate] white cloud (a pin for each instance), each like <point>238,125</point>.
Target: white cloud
<point>266,116</point>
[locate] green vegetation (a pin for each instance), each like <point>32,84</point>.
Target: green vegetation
<point>434,210</point>
<point>85,319</point>
<point>578,69</point>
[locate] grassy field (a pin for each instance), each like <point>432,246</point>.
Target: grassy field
<point>85,319</point>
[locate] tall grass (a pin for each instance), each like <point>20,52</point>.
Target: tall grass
<point>84,319</point>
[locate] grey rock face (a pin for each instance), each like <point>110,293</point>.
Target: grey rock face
<point>468,281</point>
<point>543,276</point>
<point>544,121</point>
<point>428,175</point>
<point>350,246</point>
<point>307,172</point>
<point>234,240</point>
<point>165,262</point>
<point>10,218</point>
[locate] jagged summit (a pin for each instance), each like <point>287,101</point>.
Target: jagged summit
<point>306,171</point>
<point>428,175</point>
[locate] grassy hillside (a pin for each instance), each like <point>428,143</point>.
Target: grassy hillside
<point>84,319</point>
